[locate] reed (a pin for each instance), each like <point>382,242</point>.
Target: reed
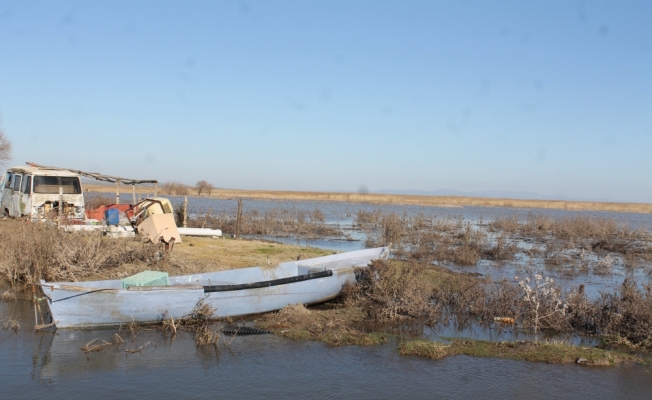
<point>434,201</point>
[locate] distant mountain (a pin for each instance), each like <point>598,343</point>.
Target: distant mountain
<point>502,194</point>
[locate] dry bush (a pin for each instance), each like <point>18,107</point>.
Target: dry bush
<point>626,313</point>
<point>199,322</point>
<point>509,225</point>
<point>502,249</point>
<point>396,291</point>
<point>39,251</point>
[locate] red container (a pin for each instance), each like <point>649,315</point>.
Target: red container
<point>97,213</point>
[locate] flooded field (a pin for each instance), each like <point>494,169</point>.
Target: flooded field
<point>486,244</point>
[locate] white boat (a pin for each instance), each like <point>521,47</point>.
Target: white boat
<point>231,293</point>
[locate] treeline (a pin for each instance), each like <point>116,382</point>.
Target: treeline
<point>175,188</point>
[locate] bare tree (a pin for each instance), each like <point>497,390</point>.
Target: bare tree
<point>5,147</point>
<point>209,189</point>
<point>201,186</point>
<point>174,188</point>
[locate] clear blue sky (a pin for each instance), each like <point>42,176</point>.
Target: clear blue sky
<point>553,97</point>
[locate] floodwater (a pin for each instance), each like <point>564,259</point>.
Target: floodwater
<point>266,366</point>
<point>343,214</point>
<point>51,365</point>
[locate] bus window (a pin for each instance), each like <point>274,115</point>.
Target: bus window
<point>27,185</point>
<point>16,185</point>
<point>10,180</point>
<point>51,184</point>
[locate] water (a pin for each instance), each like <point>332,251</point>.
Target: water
<point>268,366</point>
<point>52,365</point>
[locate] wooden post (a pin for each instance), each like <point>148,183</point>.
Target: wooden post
<point>185,212</point>
<point>238,219</point>
<point>117,192</point>
<point>133,193</point>
<point>60,206</point>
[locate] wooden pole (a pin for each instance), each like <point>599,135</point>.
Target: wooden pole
<point>238,219</point>
<point>185,211</point>
<point>133,193</point>
<point>117,192</point>
<point>60,206</point>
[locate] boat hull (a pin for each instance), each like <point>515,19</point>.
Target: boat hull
<point>103,303</point>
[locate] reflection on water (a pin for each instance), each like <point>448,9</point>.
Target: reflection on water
<point>268,366</point>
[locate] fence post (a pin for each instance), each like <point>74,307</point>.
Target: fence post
<point>185,211</point>
<point>60,206</point>
<point>238,219</point>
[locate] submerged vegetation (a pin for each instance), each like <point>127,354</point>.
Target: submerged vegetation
<point>434,295</point>
<point>418,287</point>
<point>279,222</point>
<point>573,244</point>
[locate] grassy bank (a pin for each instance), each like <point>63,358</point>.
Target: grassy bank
<point>36,251</point>
<point>548,352</point>
<point>376,198</point>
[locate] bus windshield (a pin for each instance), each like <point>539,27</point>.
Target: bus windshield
<point>51,184</point>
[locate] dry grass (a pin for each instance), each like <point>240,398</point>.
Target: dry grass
<point>200,254</point>
<point>435,201</point>
<point>37,251</point>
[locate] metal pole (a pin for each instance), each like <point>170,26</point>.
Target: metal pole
<point>155,189</point>
<point>133,193</point>
<point>117,192</point>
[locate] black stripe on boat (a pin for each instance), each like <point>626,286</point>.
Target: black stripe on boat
<point>274,282</point>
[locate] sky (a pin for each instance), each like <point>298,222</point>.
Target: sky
<point>552,97</point>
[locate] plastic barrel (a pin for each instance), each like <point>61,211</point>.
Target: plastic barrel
<point>112,216</point>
